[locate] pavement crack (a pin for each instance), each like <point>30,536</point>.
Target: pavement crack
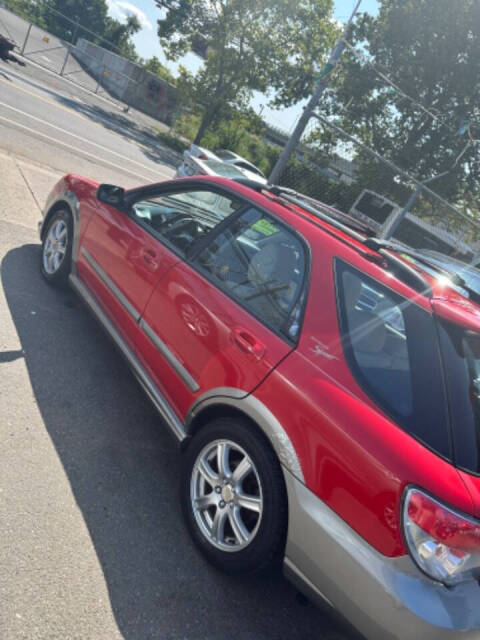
<point>28,186</point>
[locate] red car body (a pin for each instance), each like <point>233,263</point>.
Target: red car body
<point>342,452</point>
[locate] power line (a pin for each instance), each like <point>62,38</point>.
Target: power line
<point>363,58</point>
<point>341,132</point>
<point>465,125</point>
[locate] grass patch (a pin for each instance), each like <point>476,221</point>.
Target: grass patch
<point>172,142</point>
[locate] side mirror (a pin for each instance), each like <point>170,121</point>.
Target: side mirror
<point>112,195</point>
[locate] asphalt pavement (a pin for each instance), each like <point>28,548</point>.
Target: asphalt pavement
<point>41,47</point>
<point>93,544</point>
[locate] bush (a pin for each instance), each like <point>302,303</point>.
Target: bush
<point>187,125</point>
<point>172,142</point>
<point>232,134</point>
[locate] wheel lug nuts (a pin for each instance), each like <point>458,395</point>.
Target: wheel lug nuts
<point>218,489</point>
<point>222,504</point>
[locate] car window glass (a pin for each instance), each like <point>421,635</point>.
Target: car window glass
<point>249,167</point>
<point>461,355</point>
<point>215,167</point>
<point>391,346</point>
<point>260,263</point>
<point>225,155</point>
<point>184,217</point>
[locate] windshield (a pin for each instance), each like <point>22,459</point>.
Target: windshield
<point>249,167</point>
<point>223,154</point>
<point>225,170</point>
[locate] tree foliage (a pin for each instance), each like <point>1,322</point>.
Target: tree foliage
<point>249,45</point>
<point>430,48</point>
<point>155,66</point>
<point>71,20</point>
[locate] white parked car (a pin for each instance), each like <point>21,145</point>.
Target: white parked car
<point>200,161</point>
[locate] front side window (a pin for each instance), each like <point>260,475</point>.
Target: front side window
<point>262,264</point>
<point>184,217</point>
<point>392,349</point>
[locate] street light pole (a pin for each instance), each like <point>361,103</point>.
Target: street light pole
<point>314,100</point>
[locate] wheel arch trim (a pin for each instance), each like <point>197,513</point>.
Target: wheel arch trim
<point>256,411</point>
<point>69,199</point>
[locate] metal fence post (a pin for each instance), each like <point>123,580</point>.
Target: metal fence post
<point>98,83</point>
<point>65,62</point>
<point>75,33</point>
<point>26,39</point>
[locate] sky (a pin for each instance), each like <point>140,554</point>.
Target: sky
<point>147,45</point>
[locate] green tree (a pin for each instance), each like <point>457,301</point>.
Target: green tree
<point>28,9</point>
<point>430,48</point>
<point>248,45</point>
<point>71,20</point>
<point>118,37</point>
<point>62,16</point>
<point>155,66</point>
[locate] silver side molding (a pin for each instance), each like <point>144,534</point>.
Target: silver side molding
<point>258,413</point>
<point>191,383</point>
<point>71,201</point>
<point>108,282</point>
<point>160,402</point>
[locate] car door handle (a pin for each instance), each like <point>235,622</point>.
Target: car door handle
<point>248,343</point>
<point>150,258</point>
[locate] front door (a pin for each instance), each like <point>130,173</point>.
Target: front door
<point>225,317</point>
<point>120,262</point>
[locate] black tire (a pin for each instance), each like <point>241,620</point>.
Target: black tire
<point>59,276</point>
<point>268,538</point>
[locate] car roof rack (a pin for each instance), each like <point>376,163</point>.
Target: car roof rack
<point>396,265</point>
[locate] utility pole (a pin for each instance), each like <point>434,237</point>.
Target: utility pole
<point>322,83</point>
<point>398,217</point>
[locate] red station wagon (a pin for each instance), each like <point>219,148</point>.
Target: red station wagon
<point>326,392</point>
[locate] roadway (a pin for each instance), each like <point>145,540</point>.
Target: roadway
<point>93,544</point>
<point>43,48</point>
<point>35,120</point>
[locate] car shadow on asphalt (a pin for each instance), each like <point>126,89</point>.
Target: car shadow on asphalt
<point>122,465</point>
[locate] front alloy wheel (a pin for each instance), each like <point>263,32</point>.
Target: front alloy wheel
<point>55,246</point>
<point>233,496</point>
<point>56,258</point>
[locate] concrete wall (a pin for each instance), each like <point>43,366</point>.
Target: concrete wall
<point>127,81</point>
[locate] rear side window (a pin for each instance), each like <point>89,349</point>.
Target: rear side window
<point>461,354</point>
<point>392,349</point>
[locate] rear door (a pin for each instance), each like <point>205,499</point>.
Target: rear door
<point>226,316</point>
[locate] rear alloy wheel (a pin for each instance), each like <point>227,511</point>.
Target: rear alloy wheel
<point>57,248</point>
<point>233,496</point>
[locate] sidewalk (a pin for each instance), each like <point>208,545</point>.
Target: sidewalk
<point>23,190</point>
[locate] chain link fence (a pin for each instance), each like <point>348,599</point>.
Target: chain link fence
<point>49,51</point>
<point>85,58</point>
